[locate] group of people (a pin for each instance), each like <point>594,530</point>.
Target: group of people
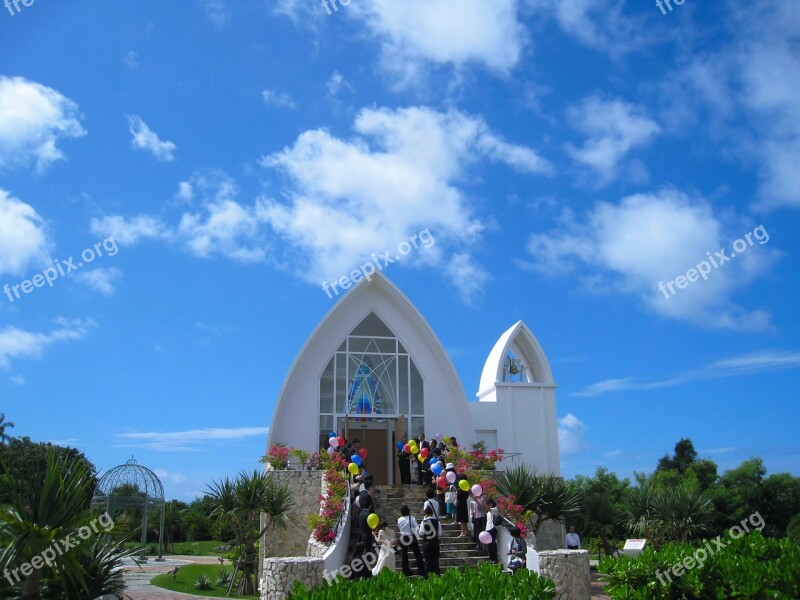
<point>378,543</point>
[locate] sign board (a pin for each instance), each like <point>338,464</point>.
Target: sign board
<point>633,547</point>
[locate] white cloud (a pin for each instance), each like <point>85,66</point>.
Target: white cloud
<point>416,34</point>
<point>336,83</point>
<point>571,435</point>
<point>23,237</point>
<point>185,191</point>
<point>17,379</point>
<point>408,163</point>
<point>33,117</point>
<point>131,60</point>
<point>145,139</point>
<point>217,11</point>
<point>614,128</point>
<point>100,280</point>
<point>17,343</point>
<point>631,246</point>
<point>127,232</point>
<point>275,98</point>
<point>599,25</point>
<point>767,361</point>
<point>188,440</point>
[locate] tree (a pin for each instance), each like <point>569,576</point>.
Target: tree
<point>602,501</point>
<point>241,504</point>
<point>738,494</point>
<point>683,512</point>
<point>3,426</point>
<point>48,505</point>
<point>684,455</point>
<point>548,497</point>
<point>780,501</point>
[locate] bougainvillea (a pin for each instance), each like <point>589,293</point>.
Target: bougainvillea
<point>277,456</point>
<point>331,506</point>
<point>514,512</point>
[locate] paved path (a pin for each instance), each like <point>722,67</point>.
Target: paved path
<point>137,578</point>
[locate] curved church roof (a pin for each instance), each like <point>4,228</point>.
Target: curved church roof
<point>519,341</point>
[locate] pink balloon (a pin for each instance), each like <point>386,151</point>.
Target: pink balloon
<point>439,437</point>
<point>477,490</point>
<point>484,537</point>
<point>333,442</point>
<point>451,477</point>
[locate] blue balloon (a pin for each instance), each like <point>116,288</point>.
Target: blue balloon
<point>332,434</point>
<point>437,469</point>
<point>400,445</point>
<point>356,459</point>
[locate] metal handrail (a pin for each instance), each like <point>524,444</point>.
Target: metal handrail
<point>345,508</point>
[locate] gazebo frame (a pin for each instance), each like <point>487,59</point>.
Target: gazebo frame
<point>144,480</point>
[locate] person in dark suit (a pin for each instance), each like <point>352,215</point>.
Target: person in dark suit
<point>360,563</point>
<point>421,443</point>
<point>404,462</point>
<point>430,530</point>
<point>364,530</point>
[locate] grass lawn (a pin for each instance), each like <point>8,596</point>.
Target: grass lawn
<point>204,548</point>
<point>187,574</point>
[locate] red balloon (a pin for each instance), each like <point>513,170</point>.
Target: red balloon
<point>341,442</point>
<point>442,481</point>
<point>363,453</point>
<point>407,449</point>
<point>424,453</point>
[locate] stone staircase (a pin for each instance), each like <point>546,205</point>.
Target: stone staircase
<point>455,553</point>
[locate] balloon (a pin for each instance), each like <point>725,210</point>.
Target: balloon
<point>399,445</point>
<point>341,440</point>
<point>484,537</point>
<point>332,434</point>
<point>439,437</point>
<point>373,521</point>
<point>407,449</point>
<point>463,485</point>
<point>363,453</point>
<point>331,450</point>
<point>436,469</point>
<point>356,459</point>
<point>424,452</point>
<point>451,477</point>
<point>333,442</point>
<point>358,501</point>
<point>477,490</point>
<point>353,468</point>
<point>441,481</point>
<point>447,440</point>
<point>414,450</point>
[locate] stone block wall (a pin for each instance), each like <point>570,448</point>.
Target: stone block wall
<point>569,570</point>
<point>280,575</point>
<point>306,488</point>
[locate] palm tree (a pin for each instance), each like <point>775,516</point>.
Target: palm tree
<point>3,426</point>
<point>683,512</point>
<point>240,503</point>
<point>600,516</point>
<point>548,497</point>
<point>43,509</point>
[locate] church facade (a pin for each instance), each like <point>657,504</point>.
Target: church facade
<point>373,369</point>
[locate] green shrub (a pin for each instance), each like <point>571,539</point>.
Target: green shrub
<point>751,567</point>
<point>793,529</point>
<point>203,582</point>
<point>487,582</point>
<point>224,578</point>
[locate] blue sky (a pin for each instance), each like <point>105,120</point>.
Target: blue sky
<point>566,155</point>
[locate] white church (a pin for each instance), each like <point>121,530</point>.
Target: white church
<point>373,369</point>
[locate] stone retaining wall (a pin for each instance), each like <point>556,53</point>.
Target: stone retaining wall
<point>569,570</point>
<point>280,575</point>
<point>306,488</point>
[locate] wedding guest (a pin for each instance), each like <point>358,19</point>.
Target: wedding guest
<point>409,540</point>
<point>573,539</point>
<point>517,551</point>
<point>430,531</point>
<point>491,514</point>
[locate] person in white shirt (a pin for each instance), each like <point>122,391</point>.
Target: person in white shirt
<point>573,539</point>
<point>491,515</point>
<point>409,536</point>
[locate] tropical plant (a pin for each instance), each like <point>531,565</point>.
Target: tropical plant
<point>224,578</point>
<point>547,497</point>
<point>45,507</point>
<point>600,517</point>
<point>241,503</point>
<point>203,582</point>
<point>277,456</point>
<point>682,513</point>
<point>3,426</point>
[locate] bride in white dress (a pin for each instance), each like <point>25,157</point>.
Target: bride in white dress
<point>386,540</point>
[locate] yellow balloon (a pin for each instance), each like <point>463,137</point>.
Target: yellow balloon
<point>447,440</point>
<point>464,485</point>
<point>353,468</point>
<point>373,521</point>
<point>414,450</point>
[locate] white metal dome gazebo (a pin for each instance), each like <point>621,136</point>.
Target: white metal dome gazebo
<point>142,490</point>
